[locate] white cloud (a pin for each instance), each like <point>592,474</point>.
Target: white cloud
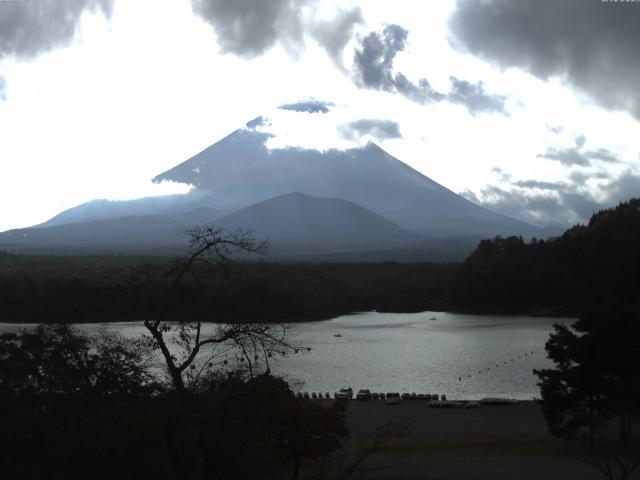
<point>145,90</point>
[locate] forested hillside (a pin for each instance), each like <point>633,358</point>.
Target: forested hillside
<point>86,289</point>
<point>596,263</point>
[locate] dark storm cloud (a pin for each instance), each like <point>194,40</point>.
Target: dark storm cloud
<point>593,44</point>
<point>3,86</point>
<point>373,64</point>
<point>603,155</point>
<point>33,27</point>
<point>556,203</point>
<point>537,184</point>
<point>583,205</point>
<point>422,92</point>
<point>566,156</point>
<point>309,107</point>
<point>474,98</point>
<point>249,28</point>
<point>626,187</point>
<point>380,129</point>
<point>580,177</point>
<point>334,34</point>
<point>571,156</point>
<point>537,208</point>
<point>374,58</point>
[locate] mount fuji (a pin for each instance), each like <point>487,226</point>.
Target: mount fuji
<point>358,202</point>
<point>240,170</point>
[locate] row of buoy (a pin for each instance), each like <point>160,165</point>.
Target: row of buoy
<point>504,362</point>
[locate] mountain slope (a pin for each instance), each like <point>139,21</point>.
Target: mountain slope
<point>102,209</point>
<point>240,170</point>
<point>289,221</point>
<point>304,220</point>
<point>137,232</point>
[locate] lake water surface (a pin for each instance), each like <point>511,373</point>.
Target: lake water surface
<point>462,356</point>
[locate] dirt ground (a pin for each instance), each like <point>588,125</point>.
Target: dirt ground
<point>489,442</point>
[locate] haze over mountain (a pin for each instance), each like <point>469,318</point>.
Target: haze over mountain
<point>101,209</point>
<point>359,201</point>
<point>134,233</point>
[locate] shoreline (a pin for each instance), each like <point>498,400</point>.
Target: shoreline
<point>227,316</point>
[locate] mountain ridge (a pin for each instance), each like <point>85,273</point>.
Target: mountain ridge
<point>240,169</point>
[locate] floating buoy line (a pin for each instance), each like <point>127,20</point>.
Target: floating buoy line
<point>499,364</point>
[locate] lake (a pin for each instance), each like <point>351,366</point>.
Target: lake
<point>462,356</point>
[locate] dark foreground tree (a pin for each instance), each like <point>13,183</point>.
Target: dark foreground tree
<point>260,429</point>
<point>74,406</point>
<point>193,350</point>
<point>597,374</point>
<point>59,360</point>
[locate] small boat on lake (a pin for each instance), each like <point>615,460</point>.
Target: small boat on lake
<point>337,335</point>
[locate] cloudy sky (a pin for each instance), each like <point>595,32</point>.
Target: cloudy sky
<point>530,108</point>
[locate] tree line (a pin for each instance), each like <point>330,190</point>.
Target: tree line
<point>86,289</point>
<point>588,263</point>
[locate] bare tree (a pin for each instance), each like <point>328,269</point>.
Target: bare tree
<point>614,463</point>
<point>181,341</point>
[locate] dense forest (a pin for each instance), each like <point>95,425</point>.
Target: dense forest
<point>588,265</point>
<point>596,262</point>
<point>83,289</point>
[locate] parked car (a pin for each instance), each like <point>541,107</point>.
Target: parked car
<point>344,394</point>
<point>393,398</point>
<point>405,396</point>
<point>363,394</point>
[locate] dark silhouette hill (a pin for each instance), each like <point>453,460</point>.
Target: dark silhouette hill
<point>303,220</point>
